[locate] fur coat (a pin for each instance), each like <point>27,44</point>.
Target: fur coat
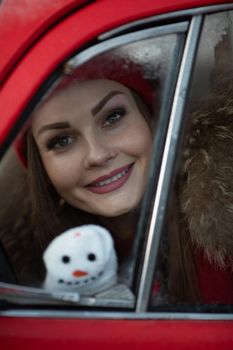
<point>207,187</point>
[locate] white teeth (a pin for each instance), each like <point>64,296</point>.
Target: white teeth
<point>112,179</point>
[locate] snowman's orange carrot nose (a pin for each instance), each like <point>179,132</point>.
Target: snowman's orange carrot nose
<point>79,273</point>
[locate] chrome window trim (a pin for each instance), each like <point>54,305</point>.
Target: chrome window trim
<point>125,39</point>
<point>153,20</point>
<point>117,315</point>
<point>168,163</point>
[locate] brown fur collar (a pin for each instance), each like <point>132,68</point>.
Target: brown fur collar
<point>207,191</point>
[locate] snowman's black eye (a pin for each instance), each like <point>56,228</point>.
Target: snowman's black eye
<point>65,259</point>
<point>91,257</point>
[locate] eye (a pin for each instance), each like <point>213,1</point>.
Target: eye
<point>65,259</point>
<point>59,142</point>
<point>91,257</point>
<point>114,117</point>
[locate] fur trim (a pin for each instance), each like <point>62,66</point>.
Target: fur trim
<point>207,193</point>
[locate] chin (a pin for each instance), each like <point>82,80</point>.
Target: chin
<point>111,207</point>
<point>118,211</point>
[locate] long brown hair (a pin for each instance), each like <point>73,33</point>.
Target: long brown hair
<point>49,216</point>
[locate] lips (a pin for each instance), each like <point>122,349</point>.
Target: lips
<point>112,181</point>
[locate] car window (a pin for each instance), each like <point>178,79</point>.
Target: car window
<point>194,268</point>
<point>81,163</point>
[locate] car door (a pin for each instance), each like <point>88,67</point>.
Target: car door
<point>175,285</point>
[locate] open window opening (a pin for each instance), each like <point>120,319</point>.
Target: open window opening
<point>83,159</point>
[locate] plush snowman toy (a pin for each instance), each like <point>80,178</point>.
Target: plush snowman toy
<point>81,259</point>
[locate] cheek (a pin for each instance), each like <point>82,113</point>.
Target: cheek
<point>139,144</point>
<point>63,173</point>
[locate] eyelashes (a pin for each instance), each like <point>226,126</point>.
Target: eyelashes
<point>109,120</point>
<point>59,141</point>
<point>114,116</point>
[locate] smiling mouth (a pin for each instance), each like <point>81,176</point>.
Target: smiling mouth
<point>112,179</point>
<point>111,182</point>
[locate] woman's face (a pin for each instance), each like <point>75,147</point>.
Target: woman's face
<point>95,146</point>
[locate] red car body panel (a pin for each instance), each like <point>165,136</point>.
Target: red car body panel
<point>34,38</point>
<point>45,333</point>
<point>23,22</point>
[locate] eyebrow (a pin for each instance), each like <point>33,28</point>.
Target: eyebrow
<point>94,111</point>
<point>104,100</point>
<point>54,126</point>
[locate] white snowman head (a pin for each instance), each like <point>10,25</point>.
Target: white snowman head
<point>79,258</point>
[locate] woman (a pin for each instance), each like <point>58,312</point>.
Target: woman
<point>87,155</point>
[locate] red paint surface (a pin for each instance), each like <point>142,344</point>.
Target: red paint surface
<point>80,334</point>
<point>22,22</point>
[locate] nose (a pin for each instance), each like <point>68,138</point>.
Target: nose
<point>79,273</point>
<point>99,152</point>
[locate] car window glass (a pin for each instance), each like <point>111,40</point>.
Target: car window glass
<point>195,259</point>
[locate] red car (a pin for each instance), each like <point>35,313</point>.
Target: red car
<point>179,292</point>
